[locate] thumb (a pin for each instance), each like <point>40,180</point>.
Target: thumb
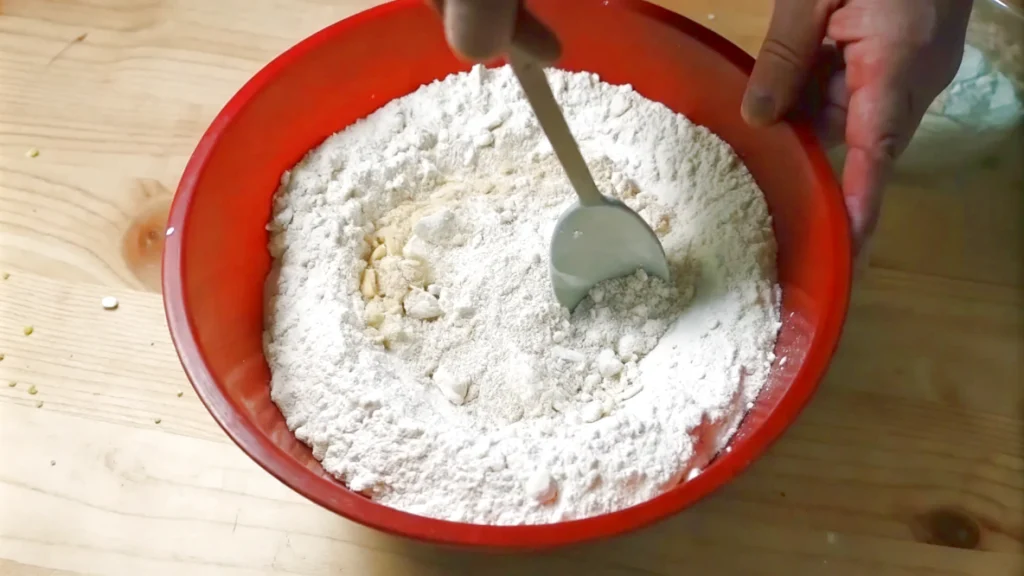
<point>479,29</point>
<point>787,55</point>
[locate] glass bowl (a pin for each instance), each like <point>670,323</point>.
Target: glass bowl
<point>984,104</point>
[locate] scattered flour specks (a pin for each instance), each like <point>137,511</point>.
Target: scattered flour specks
<point>413,339</point>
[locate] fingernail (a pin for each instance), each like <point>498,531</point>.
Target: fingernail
<point>758,107</point>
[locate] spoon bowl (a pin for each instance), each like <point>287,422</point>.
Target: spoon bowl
<point>597,242</point>
<point>598,238</point>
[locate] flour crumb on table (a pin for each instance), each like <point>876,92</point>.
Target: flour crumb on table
<point>411,331</point>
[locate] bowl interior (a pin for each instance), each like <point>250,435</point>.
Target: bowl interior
<point>216,258</point>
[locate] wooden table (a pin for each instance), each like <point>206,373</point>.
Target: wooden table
<point>908,462</point>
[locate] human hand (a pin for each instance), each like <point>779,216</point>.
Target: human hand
<point>479,30</point>
<point>871,88</point>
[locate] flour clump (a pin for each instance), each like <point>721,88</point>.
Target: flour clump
<point>413,338</point>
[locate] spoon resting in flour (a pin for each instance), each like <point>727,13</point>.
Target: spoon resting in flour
<point>598,238</point>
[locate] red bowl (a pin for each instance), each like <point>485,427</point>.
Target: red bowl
<point>216,260</point>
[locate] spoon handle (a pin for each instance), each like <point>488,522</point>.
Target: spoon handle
<point>538,92</point>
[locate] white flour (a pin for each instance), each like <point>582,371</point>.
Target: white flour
<point>413,338</point>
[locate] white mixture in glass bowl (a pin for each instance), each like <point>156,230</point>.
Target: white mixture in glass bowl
<point>413,338</point>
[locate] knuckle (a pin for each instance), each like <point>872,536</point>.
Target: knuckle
<point>922,30</point>
<point>950,66</point>
<point>869,225</point>
<point>782,53</point>
<point>894,136</point>
<point>910,104</point>
<point>888,146</point>
<point>824,8</point>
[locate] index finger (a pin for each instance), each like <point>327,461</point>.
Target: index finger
<point>884,111</point>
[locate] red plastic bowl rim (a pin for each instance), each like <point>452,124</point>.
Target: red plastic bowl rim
<point>324,491</point>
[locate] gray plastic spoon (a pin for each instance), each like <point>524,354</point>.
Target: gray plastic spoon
<point>597,238</point>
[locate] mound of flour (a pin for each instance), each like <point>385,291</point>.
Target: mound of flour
<point>413,338</point>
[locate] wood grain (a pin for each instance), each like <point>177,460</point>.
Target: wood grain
<point>909,461</point>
